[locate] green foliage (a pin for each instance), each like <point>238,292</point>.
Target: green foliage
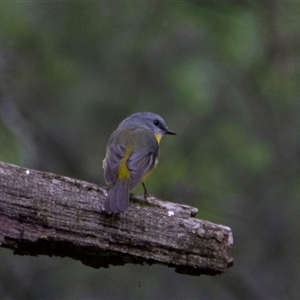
<point>242,44</point>
<point>241,150</point>
<point>191,80</point>
<point>8,145</point>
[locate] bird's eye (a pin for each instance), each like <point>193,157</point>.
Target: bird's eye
<point>156,122</point>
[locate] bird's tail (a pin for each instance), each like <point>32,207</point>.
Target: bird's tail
<point>117,199</point>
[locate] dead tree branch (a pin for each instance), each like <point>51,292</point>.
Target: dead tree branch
<point>47,214</point>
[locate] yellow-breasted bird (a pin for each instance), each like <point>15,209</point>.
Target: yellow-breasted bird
<point>131,155</point>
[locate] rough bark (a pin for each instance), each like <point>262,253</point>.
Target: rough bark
<point>47,214</point>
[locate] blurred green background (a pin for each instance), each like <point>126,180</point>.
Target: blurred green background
<point>224,75</point>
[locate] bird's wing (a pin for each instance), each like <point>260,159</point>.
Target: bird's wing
<point>140,163</point>
<point>112,161</point>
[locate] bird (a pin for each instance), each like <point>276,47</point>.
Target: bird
<point>131,155</point>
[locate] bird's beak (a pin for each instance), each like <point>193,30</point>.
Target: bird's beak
<point>170,132</point>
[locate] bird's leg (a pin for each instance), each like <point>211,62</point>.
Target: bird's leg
<point>146,195</point>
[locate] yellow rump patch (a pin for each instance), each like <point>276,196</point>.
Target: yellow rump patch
<point>124,172</point>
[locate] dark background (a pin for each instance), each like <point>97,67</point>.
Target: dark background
<point>224,75</point>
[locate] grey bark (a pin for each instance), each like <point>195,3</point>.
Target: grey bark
<point>47,214</point>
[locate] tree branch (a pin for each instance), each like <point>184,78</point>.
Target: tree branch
<point>44,213</point>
